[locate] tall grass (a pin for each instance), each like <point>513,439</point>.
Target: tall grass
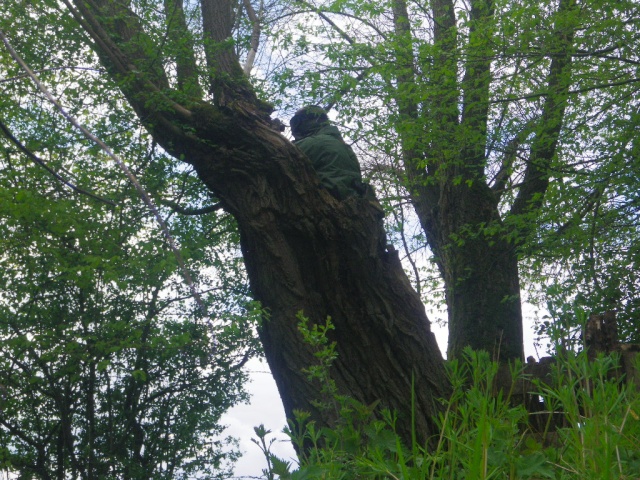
<point>482,435</point>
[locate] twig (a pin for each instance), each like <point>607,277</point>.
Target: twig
<point>43,164</point>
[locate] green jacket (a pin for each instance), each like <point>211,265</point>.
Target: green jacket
<point>334,161</point>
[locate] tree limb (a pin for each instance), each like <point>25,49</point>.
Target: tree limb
<point>510,153</point>
<point>255,36</point>
<point>146,74</point>
<point>191,211</point>
<point>543,149</point>
<point>53,173</point>
<point>475,85</point>
<point>228,81</point>
<point>182,48</point>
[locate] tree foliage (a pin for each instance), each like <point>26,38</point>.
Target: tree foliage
<point>107,367</point>
<point>186,87</point>
<point>490,118</point>
<point>510,125</point>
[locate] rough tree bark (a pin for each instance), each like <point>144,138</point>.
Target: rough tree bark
<point>303,249</point>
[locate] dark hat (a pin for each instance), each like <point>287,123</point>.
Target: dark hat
<point>308,120</point>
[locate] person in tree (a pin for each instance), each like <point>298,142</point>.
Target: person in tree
<point>333,160</point>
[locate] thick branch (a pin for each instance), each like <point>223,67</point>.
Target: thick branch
<point>228,81</point>
<point>182,47</point>
<point>407,106</point>
<point>121,50</point>
<point>127,45</point>
<point>254,18</point>
<point>543,149</point>
<point>443,109</point>
<point>475,86</point>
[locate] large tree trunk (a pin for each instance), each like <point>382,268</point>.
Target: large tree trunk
<point>484,300</point>
<point>475,250</point>
<point>480,270</point>
<point>307,252</point>
<point>304,250</point>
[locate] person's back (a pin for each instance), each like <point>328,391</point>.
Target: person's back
<point>334,161</point>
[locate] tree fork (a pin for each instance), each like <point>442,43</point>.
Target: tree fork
<point>304,250</point>
<point>307,252</point>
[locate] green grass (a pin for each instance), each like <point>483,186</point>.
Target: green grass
<point>481,434</point>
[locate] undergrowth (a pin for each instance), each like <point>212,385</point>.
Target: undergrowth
<point>481,435</point>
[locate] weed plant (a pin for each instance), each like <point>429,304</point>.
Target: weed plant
<point>482,435</point>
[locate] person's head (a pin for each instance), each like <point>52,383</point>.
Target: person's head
<point>308,120</point>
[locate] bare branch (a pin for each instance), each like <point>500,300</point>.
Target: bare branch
<point>255,35</point>
<point>43,164</point>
